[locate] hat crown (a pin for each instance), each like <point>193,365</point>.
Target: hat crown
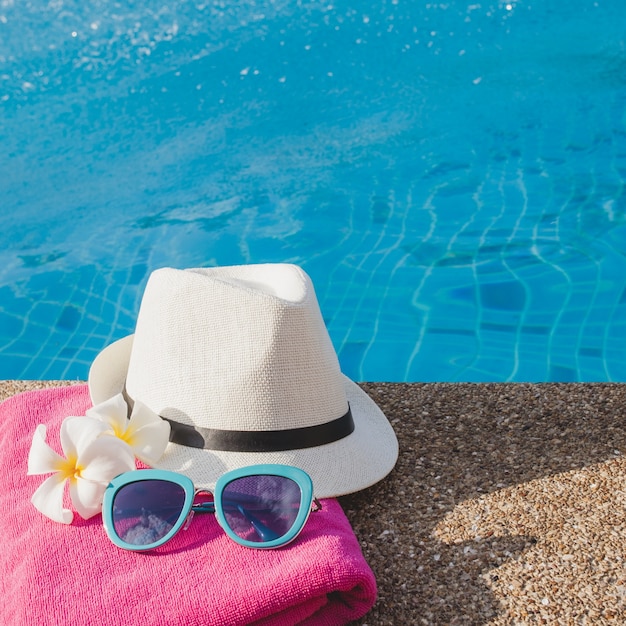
<point>235,348</point>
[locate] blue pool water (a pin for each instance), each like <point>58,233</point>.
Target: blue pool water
<point>451,175</point>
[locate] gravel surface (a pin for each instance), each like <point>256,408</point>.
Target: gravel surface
<point>507,504</point>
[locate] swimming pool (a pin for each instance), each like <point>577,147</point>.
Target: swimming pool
<point>451,175</point>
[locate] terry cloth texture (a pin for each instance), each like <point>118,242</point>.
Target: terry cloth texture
<point>72,575</point>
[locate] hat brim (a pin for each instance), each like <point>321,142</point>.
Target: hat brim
<point>350,464</point>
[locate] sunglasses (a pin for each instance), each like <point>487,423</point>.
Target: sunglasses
<point>260,506</point>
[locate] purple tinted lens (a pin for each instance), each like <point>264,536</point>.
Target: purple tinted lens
<point>261,508</point>
<point>145,511</point>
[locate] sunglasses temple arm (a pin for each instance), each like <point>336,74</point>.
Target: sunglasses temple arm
<point>267,534</point>
<point>264,532</point>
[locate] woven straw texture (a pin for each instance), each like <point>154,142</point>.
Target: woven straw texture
<point>246,348</point>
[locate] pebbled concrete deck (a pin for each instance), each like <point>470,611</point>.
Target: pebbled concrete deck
<point>507,504</point>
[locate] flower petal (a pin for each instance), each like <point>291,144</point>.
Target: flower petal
<point>148,434</point>
<point>104,459</point>
<point>87,497</point>
<point>48,499</point>
<point>77,433</point>
<point>113,412</point>
<point>149,442</point>
<point>42,459</point>
<point>143,415</point>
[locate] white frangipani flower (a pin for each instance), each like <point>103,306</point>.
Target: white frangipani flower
<point>146,433</point>
<point>91,460</point>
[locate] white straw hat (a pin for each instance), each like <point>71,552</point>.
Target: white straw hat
<point>239,361</point>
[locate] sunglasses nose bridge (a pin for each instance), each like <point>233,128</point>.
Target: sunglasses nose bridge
<point>207,506</point>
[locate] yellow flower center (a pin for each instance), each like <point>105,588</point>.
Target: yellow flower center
<point>124,435</point>
<point>70,469</point>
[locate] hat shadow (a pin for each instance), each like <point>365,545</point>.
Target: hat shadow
<point>461,443</point>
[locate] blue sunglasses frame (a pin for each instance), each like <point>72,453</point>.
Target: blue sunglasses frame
<point>307,505</point>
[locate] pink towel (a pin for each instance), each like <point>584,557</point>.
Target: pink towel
<point>73,575</point>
